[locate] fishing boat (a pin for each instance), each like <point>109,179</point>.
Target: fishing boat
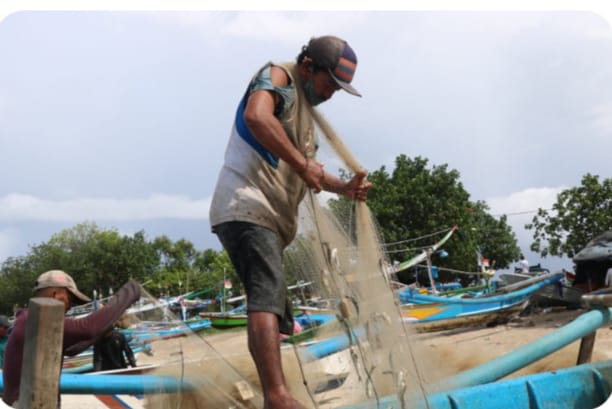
<point>147,331</point>
<point>235,317</point>
<point>584,386</point>
<point>435,313</point>
<point>561,293</point>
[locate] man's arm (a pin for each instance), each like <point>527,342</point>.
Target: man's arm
<point>80,333</point>
<point>268,130</point>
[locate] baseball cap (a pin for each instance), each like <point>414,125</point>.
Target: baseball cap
<point>4,322</point>
<point>58,278</point>
<point>337,56</point>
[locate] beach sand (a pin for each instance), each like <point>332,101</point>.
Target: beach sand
<point>459,349</point>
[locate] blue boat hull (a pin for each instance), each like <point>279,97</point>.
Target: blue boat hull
<point>581,387</point>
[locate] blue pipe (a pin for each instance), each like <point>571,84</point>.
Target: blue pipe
<point>527,354</point>
<point>120,384</point>
<point>332,345</point>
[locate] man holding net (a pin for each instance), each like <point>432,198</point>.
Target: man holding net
<point>269,166</point>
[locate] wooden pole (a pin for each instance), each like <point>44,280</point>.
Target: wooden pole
<point>431,279</point>
<point>586,348</point>
<point>42,354</point>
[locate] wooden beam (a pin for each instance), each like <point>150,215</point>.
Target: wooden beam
<point>586,348</point>
<point>42,354</point>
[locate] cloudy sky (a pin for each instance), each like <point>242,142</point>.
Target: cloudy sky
<point>121,118</point>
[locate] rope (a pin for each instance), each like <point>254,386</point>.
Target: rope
<point>419,238</point>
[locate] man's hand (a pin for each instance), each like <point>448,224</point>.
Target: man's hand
<point>357,188</point>
<point>313,175</point>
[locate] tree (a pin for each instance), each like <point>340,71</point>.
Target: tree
<point>579,214</point>
<point>104,259</point>
<point>213,268</point>
<point>95,258</point>
<point>415,200</point>
<point>16,283</point>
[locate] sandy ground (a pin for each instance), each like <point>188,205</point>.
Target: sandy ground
<point>458,349</point>
<point>466,348</point>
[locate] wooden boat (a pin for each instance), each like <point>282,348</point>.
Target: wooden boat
<point>236,317</point>
<point>557,294</point>
<point>149,331</point>
<point>582,387</point>
<point>435,313</point>
<point>229,320</point>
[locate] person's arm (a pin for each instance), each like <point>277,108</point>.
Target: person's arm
<point>80,333</point>
<point>268,130</point>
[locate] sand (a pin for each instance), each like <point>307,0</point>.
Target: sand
<point>459,349</point>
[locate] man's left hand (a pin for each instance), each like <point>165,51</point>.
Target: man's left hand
<point>357,188</point>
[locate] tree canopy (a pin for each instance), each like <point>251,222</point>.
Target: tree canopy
<point>103,260</point>
<point>579,214</point>
<point>415,200</point>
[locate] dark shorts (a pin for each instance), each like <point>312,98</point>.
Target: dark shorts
<point>257,253</point>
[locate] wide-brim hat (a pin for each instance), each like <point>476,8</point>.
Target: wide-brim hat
<point>59,278</point>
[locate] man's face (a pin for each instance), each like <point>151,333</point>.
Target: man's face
<point>3,331</point>
<point>324,85</point>
<point>63,295</point>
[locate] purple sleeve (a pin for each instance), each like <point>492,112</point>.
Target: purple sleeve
<point>80,333</point>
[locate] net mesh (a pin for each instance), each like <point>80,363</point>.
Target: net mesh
<point>363,353</point>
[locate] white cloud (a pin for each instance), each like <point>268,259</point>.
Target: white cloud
<point>289,28</point>
<point>525,200</point>
<point>7,240</point>
<point>295,27</point>
<point>20,207</point>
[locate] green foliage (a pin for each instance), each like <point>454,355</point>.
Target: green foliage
<point>579,214</point>
<point>415,200</point>
<point>95,258</point>
<point>105,259</point>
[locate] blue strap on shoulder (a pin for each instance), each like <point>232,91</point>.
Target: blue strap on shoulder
<point>248,137</point>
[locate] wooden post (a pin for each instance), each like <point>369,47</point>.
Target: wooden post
<point>586,348</point>
<point>42,354</point>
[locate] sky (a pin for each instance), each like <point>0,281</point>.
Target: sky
<point>121,118</point>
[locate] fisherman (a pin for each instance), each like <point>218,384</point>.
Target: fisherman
<point>79,333</point>
<point>523,265</point>
<point>269,166</point>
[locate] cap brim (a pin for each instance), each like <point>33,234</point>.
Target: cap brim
<point>344,85</point>
<point>79,296</point>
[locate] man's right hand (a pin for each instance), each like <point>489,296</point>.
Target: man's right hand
<point>313,175</point>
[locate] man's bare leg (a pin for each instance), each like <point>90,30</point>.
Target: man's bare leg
<point>264,345</point>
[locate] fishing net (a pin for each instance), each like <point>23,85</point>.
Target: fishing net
<point>358,348</point>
